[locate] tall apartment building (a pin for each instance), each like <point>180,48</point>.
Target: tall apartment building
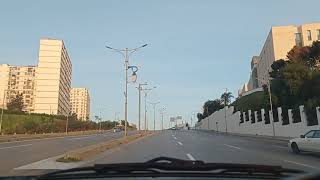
<point>280,40</point>
<point>17,80</point>
<point>80,103</point>
<point>53,78</point>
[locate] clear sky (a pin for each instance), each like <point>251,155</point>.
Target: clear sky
<point>196,48</point>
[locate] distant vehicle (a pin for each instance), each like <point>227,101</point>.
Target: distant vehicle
<point>116,129</point>
<point>309,142</point>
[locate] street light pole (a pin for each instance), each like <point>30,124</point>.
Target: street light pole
<point>154,104</point>
<point>126,94</point>
<point>225,111</point>
<point>145,107</point>
<point>270,101</point>
<point>139,90</point>
<point>162,112</point>
<point>125,53</point>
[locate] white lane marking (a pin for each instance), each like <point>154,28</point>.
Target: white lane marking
<point>232,146</point>
<point>301,164</point>
<point>10,147</point>
<point>175,138</point>
<point>80,138</point>
<point>180,143</point>
<point>191,157</point>
<point>285,147</point>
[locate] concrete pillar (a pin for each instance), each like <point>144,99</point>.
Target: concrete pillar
<point>303,115</point>
<point>249,113</point>
<point>280,114</point>
<point>318,114</point>
<point>271,117</point>
<point>256,116</point>
<point>262,115</point>
<point>290,116</point>
<point>244,117</point>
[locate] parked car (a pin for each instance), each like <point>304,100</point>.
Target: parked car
<point>309,142</point>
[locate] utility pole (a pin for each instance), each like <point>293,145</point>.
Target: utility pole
<point>139,105</point>
<point>154,104</point>
<point>125,53</point>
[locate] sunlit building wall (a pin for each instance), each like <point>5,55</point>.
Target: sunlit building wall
<point>80,103</point>
<point>53,78</point>
<point>280,40</point>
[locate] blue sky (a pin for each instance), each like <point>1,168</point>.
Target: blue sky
<point>196,48</point>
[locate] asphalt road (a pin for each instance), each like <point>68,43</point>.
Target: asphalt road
<point>15,154</point>
<point>192,145</point>
<point>212,147</point>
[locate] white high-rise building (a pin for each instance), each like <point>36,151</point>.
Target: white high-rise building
<point>53,78</point>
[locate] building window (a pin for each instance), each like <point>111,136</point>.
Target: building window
<point>318,34</point>
<point>298,39</point>
<point>309,35</point>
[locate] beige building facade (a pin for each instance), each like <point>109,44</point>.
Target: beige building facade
<point>280,40</point>
<point>17,80</point>
<point>53,78</point>
<point>80,103</point>
<point>4,83</point>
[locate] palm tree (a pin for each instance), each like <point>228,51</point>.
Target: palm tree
<point>226,98</point>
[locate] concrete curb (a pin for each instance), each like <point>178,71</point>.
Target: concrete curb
<point>285,139</point>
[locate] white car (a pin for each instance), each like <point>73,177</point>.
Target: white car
<point>308,142</point>
<point>116,130</point>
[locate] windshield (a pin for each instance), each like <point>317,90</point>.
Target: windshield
<point>119,81</point>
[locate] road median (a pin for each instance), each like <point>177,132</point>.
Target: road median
<point>92,150</point>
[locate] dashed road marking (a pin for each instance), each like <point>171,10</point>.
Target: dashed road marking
<point>191,157</point>
<point>180,143</point>
<point>10,147</point>
<point>80,138</point>
<point>301,164</point>
<point>175,138</point>
<point>232,146</point>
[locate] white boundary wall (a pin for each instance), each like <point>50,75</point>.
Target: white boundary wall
<point>218,120</point>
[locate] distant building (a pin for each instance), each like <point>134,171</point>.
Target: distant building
<point>53,78</point>
<point>17,80</point>
<point>80,103</point>
<point>280,40</point>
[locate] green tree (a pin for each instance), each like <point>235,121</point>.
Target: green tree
<point>211,106</point>
<point>199,116</point>
<point>16,104</point>
<point>226,98</point>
